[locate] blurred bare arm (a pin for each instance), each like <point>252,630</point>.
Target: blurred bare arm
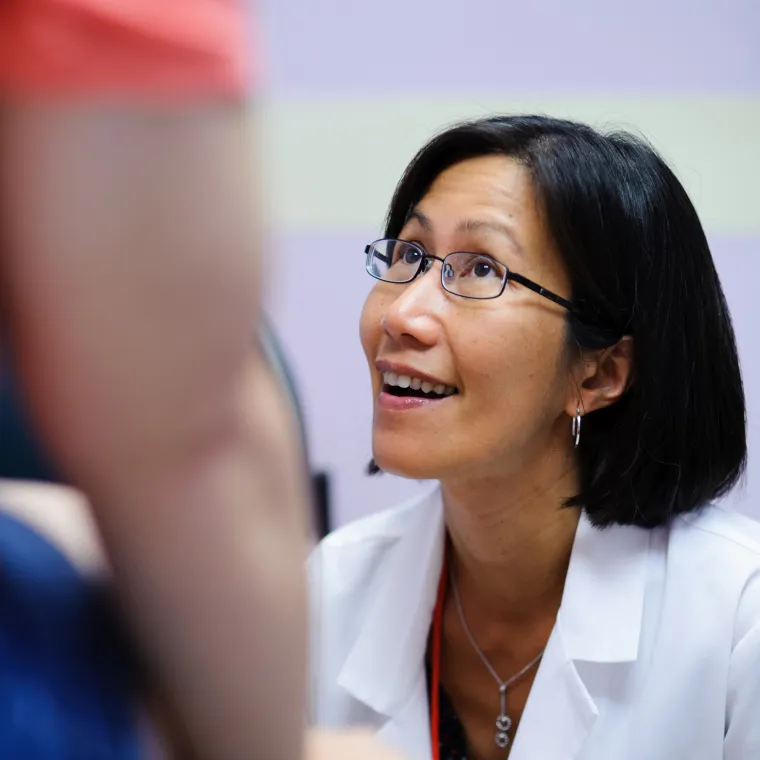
<point>132,273</point>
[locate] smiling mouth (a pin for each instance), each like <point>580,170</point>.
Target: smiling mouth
<point>415,387</point>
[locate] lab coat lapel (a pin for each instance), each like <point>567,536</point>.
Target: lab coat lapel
<point>598,628</point>
<point>559,713</point>
<point>408,729</point>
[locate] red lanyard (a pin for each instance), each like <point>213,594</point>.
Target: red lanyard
<point>435,680</point>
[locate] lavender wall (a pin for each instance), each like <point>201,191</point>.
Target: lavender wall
<point>354,89</point>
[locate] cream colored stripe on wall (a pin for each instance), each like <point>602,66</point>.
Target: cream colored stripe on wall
<point>332,165</point>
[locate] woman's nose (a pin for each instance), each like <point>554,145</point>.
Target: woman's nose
<point>414,315</point>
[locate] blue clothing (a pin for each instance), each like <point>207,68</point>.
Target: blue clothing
<point>67,688</point>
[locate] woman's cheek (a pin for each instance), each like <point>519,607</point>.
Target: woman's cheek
<point>370,325</point>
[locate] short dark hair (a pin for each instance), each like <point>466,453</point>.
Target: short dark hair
<point>639,265</point>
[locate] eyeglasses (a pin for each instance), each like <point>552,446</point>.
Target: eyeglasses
<point>469,275</point>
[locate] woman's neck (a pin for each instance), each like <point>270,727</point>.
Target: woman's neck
<point>511,543</point>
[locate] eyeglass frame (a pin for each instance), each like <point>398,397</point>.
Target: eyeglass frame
<point>427,260</point>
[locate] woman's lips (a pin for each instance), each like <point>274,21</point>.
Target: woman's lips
<point>405,403</point>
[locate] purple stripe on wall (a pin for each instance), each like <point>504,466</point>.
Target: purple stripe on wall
<point>428,47</point>
<point>316,302</point>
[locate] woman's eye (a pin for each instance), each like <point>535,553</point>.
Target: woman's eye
<point>483,268</point>
<point>411,256</point>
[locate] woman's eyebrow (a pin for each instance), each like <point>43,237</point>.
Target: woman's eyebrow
<point>471,225</point>
<point>421,218</point>
<point>475,225</point>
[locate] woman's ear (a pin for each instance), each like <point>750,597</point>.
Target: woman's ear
<point>601,377</point>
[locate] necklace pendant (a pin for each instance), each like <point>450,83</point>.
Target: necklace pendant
<point>503,721</point>
<point>503,724</point>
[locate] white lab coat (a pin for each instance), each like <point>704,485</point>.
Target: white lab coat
<point>655,654</point>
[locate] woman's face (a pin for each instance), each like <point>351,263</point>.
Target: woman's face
<point>505,356</point>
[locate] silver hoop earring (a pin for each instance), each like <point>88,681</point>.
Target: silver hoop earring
<point>576,427</point>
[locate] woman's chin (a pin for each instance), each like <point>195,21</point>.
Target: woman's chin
<point>404,468</point>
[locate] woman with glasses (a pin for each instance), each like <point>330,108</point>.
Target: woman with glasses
<point>548,340</point>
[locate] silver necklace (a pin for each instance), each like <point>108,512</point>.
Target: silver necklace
<point>503,721</point>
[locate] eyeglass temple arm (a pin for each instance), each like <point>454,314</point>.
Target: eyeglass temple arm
<point>536,288</point>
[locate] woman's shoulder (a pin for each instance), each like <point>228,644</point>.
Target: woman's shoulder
<point>727,527</point>
<point>387,524</point>
<point>727,540</point>
<point>718,550</point>
<point>350,557</point>
<point>382,529</point>
<point>371,583</point>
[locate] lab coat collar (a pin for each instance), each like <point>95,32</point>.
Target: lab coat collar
<point>602,606</point>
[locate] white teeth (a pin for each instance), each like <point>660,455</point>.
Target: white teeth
<point>416,383</point>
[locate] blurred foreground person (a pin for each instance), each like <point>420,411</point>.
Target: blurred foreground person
<point>130,268</point>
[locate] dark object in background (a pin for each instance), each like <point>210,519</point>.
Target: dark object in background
<point>321,490</point>
<point>22,455</point>
<point>320,482</point>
